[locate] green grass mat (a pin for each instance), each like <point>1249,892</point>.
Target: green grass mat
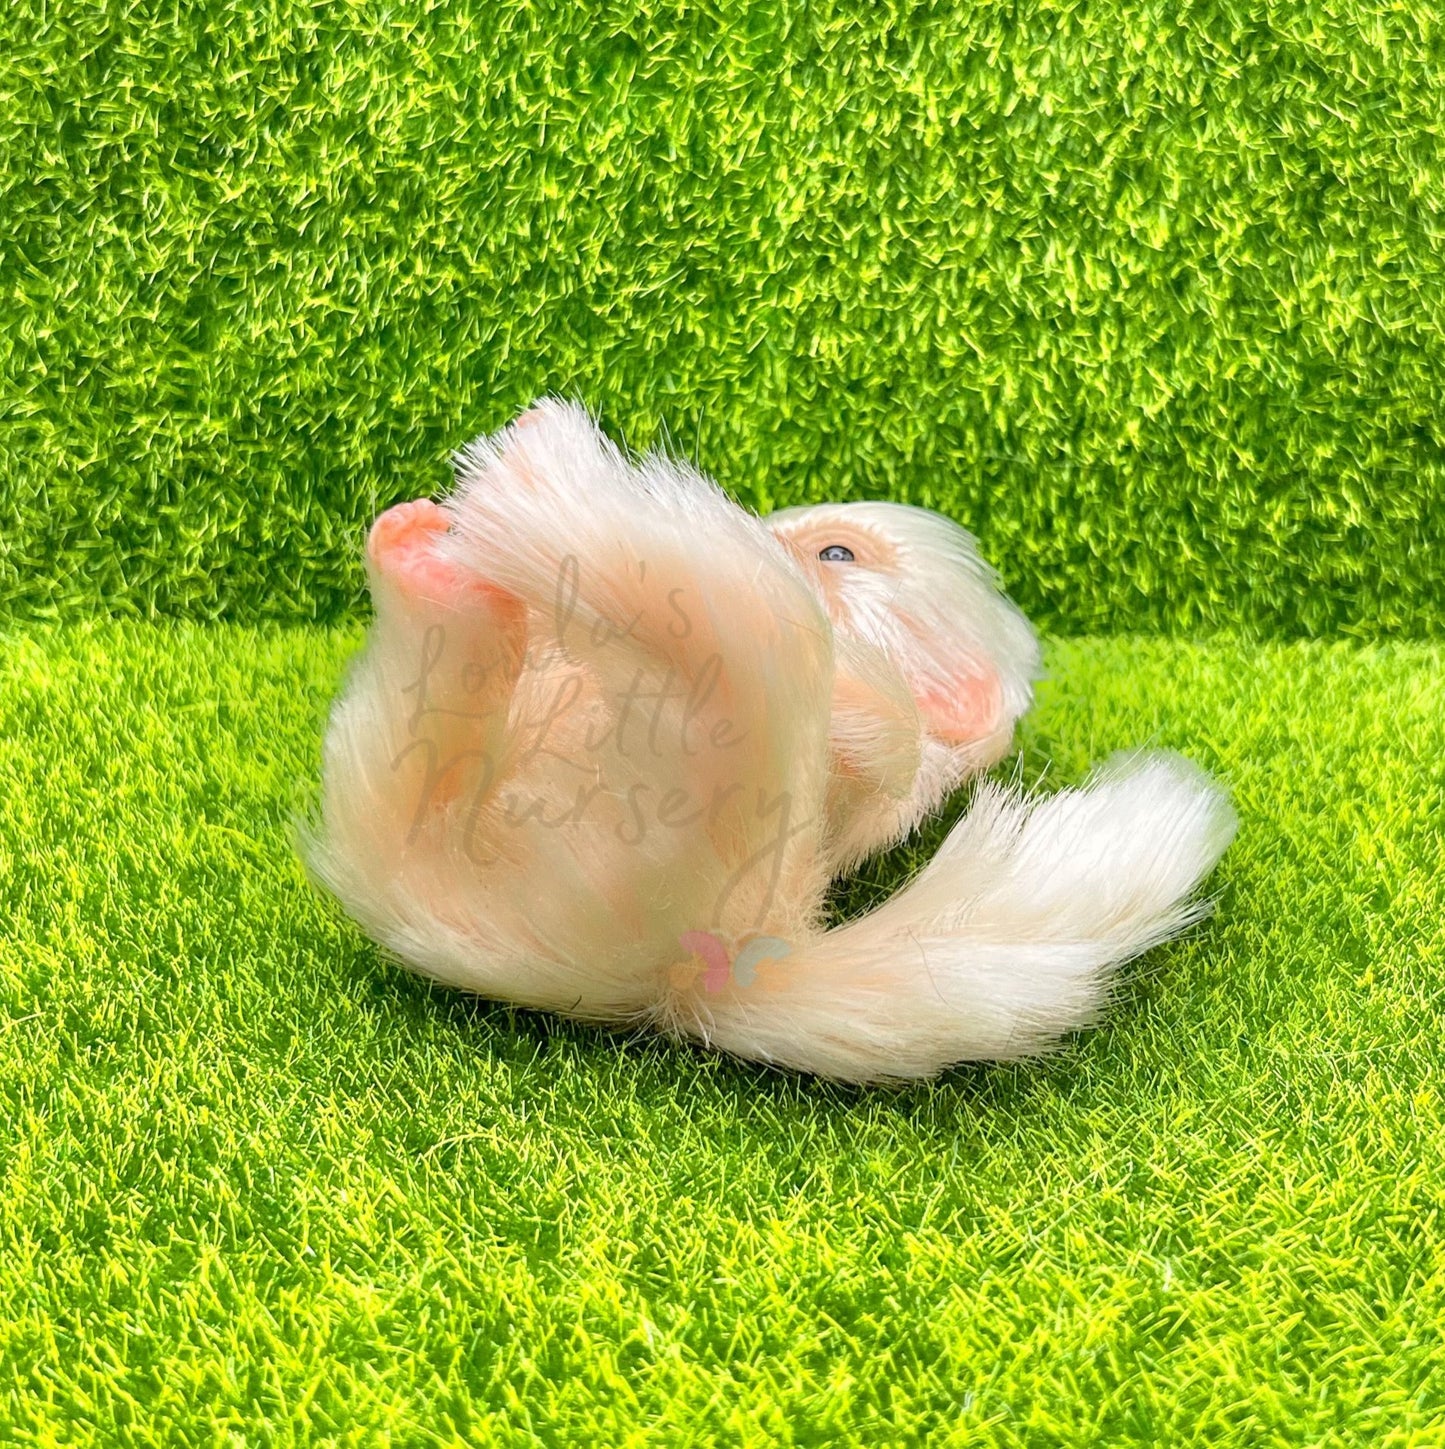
<point>1149,294</point>
<point>259,1187</point>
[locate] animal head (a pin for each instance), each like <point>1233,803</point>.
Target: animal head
<point>913,584</point>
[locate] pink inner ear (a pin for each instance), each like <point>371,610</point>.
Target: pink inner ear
<point>964,708</point>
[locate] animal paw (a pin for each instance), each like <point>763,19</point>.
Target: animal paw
<point>403,548</point>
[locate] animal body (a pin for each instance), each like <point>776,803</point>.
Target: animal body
<point>612,736</point>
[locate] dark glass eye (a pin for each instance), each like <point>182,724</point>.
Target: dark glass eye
<point>836,553</point>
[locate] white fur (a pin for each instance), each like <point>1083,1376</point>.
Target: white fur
<point>1005,941</point>
<point>560,878</point>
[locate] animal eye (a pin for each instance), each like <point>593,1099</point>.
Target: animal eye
<point>836,553</point>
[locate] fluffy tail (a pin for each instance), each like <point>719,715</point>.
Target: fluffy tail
<point>1008,939</point>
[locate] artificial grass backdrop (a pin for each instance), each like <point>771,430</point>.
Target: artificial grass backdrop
<point>1150,294</point>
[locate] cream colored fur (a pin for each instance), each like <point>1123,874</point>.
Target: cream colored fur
<point>612,736</point>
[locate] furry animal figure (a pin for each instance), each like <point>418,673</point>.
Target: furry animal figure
<point>612,736</point>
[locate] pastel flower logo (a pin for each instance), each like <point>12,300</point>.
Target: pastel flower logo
<point>709,956</point>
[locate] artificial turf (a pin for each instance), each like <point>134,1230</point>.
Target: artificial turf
<point>1150,293</point>
<point>262,1187</point>
<point>1147,293</point>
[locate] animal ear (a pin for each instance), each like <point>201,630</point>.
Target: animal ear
<point>963,704</point>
